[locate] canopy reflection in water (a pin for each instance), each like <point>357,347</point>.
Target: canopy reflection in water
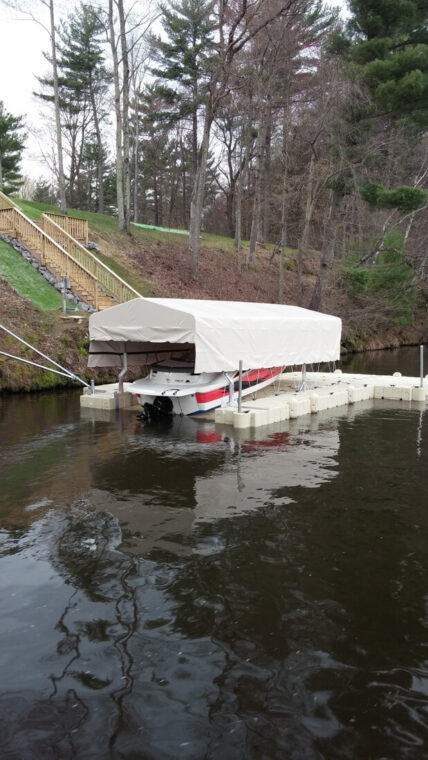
<point>179,593</point>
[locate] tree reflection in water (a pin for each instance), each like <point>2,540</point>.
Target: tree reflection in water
<point>221,598</point>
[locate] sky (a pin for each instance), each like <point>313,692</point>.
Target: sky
<point>22,42</point>
<point>21,59</point>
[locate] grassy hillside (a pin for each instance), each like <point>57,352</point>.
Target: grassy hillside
<point>159,264</point>
<point>26,280</point>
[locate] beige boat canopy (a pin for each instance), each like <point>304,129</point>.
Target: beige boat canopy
<point>218,333</point>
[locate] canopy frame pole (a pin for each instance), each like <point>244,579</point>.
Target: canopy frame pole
<point>421,365</point>
<point>303,384</point>
<point>64,371</point>
<point>123,371</point>
<point>240,387</point>
<point>231,389</point>
<point>48,369</point>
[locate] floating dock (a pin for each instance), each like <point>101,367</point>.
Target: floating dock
<point>288,398</point>
<point>321,391</point>
<point>109,397</point>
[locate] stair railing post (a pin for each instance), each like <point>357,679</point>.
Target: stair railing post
<point>15,224</point>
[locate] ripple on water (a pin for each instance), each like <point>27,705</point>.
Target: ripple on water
<point>261,599</point>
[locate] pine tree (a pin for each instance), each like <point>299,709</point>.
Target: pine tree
<point>388,43</point>
<point>85,77</point>
<point>82,82</point>
<point>183,60</point>
<point>44,192</point>
<point>386,47</point>
<point>12,142</point>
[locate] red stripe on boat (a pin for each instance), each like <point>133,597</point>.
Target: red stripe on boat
<point>203,398</point>
<point>256,376</point>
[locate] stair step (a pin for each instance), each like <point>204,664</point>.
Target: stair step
<point>46,254</point>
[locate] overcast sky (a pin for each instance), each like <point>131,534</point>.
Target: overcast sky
<point>21,60</point>
<point>22,43</point>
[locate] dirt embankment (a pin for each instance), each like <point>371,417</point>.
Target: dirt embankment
<point>62,340</point>
<point>165,266</point>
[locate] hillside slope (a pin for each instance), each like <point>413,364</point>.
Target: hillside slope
<point>158,264</point>
<point>23,278</point>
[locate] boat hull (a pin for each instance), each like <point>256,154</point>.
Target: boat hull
<point>192,395</point>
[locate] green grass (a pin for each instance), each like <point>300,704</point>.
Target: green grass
<point>34,210</point>
<point>26,280</point>
<point>101,223</point>
<point>104,223</point>
<point>136,282</point>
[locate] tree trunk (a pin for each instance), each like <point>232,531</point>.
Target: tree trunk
<point>195,130</point>
<point>243,175</point>
<point>284,198</point>
<point>156,200</point>
<point>118,114</point>
<point>72,172</point>
<point>100,160</point>
<point>230,207</point>
<point>257,193</point>
<point>266,181</point>
<point>198,192</point>
<point>125,117</point>
<point>327,253</point>
<point>136,145</point>
<point>304,238</point>
<point>61,177</point>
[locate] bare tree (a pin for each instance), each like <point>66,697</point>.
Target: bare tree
<point>123,40</point>
<point>238,22</point>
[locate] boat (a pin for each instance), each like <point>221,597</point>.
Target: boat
<point>191,350</point>
<point>173,387</point>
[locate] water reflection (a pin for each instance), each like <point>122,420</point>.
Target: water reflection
<point>182,592</point>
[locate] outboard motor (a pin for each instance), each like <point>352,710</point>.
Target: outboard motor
<point>162,407</point>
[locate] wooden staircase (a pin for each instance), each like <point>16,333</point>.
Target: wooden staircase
<point>63,255</point>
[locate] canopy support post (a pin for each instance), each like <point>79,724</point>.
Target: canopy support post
<point>421,365</point>
<point>303,384</point>
<point>231,388</point>
<point>240,387</point>
<point>123,371</point>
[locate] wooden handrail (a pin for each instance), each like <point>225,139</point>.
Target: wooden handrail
<point>70,258</point>
<point>105,276</point>
<point>83,279</point>
<point>76,226</point>
<point>51,240</point>
<point>70,223</point>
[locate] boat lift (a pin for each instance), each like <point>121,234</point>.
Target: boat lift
<point>60,371</point>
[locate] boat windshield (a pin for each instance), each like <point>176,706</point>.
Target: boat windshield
<point>174,365</point>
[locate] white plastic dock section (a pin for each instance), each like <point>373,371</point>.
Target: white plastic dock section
<point>283,400</point>
<point>323,391</point>
<point>108,398</point>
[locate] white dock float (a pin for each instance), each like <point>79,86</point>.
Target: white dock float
<point>324,391</point>
<point>274,404</point>
<point>108,397</point>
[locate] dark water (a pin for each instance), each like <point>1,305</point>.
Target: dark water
<point>405,360</point>
<point>184,593</point>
